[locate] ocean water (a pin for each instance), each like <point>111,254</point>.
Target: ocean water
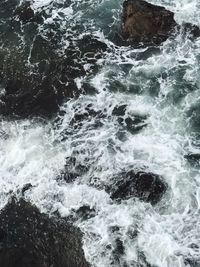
<point>163,87</point>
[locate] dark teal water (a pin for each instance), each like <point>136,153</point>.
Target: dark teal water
<point>161,90</point>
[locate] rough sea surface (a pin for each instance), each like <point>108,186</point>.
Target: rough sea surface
<point>161,87</point>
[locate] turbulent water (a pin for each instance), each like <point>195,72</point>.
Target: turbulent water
<point>162,86</point>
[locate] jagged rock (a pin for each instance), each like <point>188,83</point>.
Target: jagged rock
<point>29,238</point>
<point>193,30</point>
<point>148,187</point>
<point>145,23</point>
<point>119,110</point>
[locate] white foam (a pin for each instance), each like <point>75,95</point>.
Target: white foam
<point>32,152</point>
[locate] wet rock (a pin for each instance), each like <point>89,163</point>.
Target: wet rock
<point>135,124</point>
<point>119,249</point>
<point>88,89</point>
<point>89,46</point>
<point>39,88</point>
<point>25,12</point>
<point>119,110</point>
<point>4,135</point>
<point>29,238</point>
<point>193,30</point>
<point>25,98</point>
<point>142,261</point>
<point>73,169</point>
<point>147,187</point>
<point>144,55</point>
<point>90,115</point>
<point>35,76</point>
<point>87,114</point>
<point>192,262</point>
<point>26,188</point>
<point>193,159</point>
<point>83,213</point>
<point>145,23</point>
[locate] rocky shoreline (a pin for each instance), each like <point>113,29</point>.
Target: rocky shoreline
<point>35,83</point>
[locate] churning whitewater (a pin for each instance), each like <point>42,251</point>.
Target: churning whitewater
<point>158,89</point>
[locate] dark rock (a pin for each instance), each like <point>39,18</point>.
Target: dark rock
<point>119,110</point>
<point>25,98</point>
<point>119,248</point>
<point>38,89</point>
<point>147,187</point>
<point>90,46</point>
<point>192,262</point>
<point>193,30</point>
<point>26,14</point>
<point>145,23</point>
<point>193,159</point>
<point>25,188</point>
<point>144,55</point>
<point>83,213</point>
<point>132,124</point>
<point>29,238</point>
<point>142,261</point>
<point>73,169</point>
<point>135,124</point>
<point>88,89</point>
<point>4,135</point>
<point>89,114</point>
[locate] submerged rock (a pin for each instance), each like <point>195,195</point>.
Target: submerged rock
<point>38,68</point>
<point>147,187</point>
<point>39,88</point>
<point>29,238</point>
<point>26,14</point>
<point>73,169</point>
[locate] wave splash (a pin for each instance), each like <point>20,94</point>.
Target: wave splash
<point>156,130</point>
